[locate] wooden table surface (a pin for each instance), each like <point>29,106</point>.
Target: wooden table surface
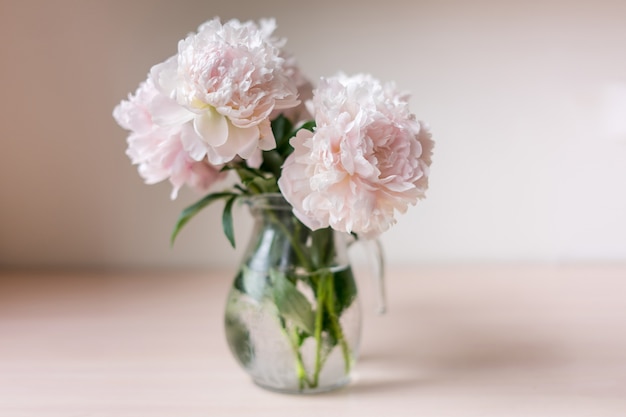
<point>462,340</point>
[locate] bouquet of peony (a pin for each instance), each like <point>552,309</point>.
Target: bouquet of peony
<point>347,155</point>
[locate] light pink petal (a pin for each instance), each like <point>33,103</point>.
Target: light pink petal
<point>212,127</point>
<point>266,140</point>
<point>242,142</point>
<point>167,112</point>
<point>192,143</point>
<point>165,75</point>
<point>256,159</point>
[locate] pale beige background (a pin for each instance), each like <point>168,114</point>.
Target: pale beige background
<point>526,99</point>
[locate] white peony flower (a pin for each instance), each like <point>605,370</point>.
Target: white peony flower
<point>227,79</point>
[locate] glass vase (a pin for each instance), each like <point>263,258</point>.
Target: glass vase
<point>293,314</point>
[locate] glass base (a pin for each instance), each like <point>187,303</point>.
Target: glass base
<point>305,391</point>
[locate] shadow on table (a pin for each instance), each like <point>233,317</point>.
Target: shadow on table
<point>451,346</point>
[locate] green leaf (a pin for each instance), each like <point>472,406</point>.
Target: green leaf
<point>252,283</point>
<point>188,213</point>
<point>291,303</point>
<point>238,336</point>
<point>262,185</point>
<point>345,289</point>
<point>247,174</point>
<point>281,128</point>
<point>272,161</point>
<point>322,247</point>
<point>227,220</point>
<point>256,181</point>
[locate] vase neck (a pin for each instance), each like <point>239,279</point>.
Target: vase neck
<point>272,202</point>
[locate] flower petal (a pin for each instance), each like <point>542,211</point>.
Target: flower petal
<point>242,142</point>
<point>192,143</point>
<point>212,127</point>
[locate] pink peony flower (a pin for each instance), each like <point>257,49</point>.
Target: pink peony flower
<point>159,152</point>
<point>368,158</point>
<point>227,79</point>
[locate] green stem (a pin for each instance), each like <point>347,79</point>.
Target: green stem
<point>243,174</point>
<point>295,245</point>
<point>319,321</point>
<point>336,326</point>
<point>300,369</point>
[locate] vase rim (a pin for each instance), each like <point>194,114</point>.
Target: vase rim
<point>265,201</point>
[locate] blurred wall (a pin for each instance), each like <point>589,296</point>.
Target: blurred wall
<point>526,100</point>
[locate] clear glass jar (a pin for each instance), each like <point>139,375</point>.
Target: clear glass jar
<point>293,315</point>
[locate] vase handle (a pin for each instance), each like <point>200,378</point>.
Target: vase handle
<point>376,262</point>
